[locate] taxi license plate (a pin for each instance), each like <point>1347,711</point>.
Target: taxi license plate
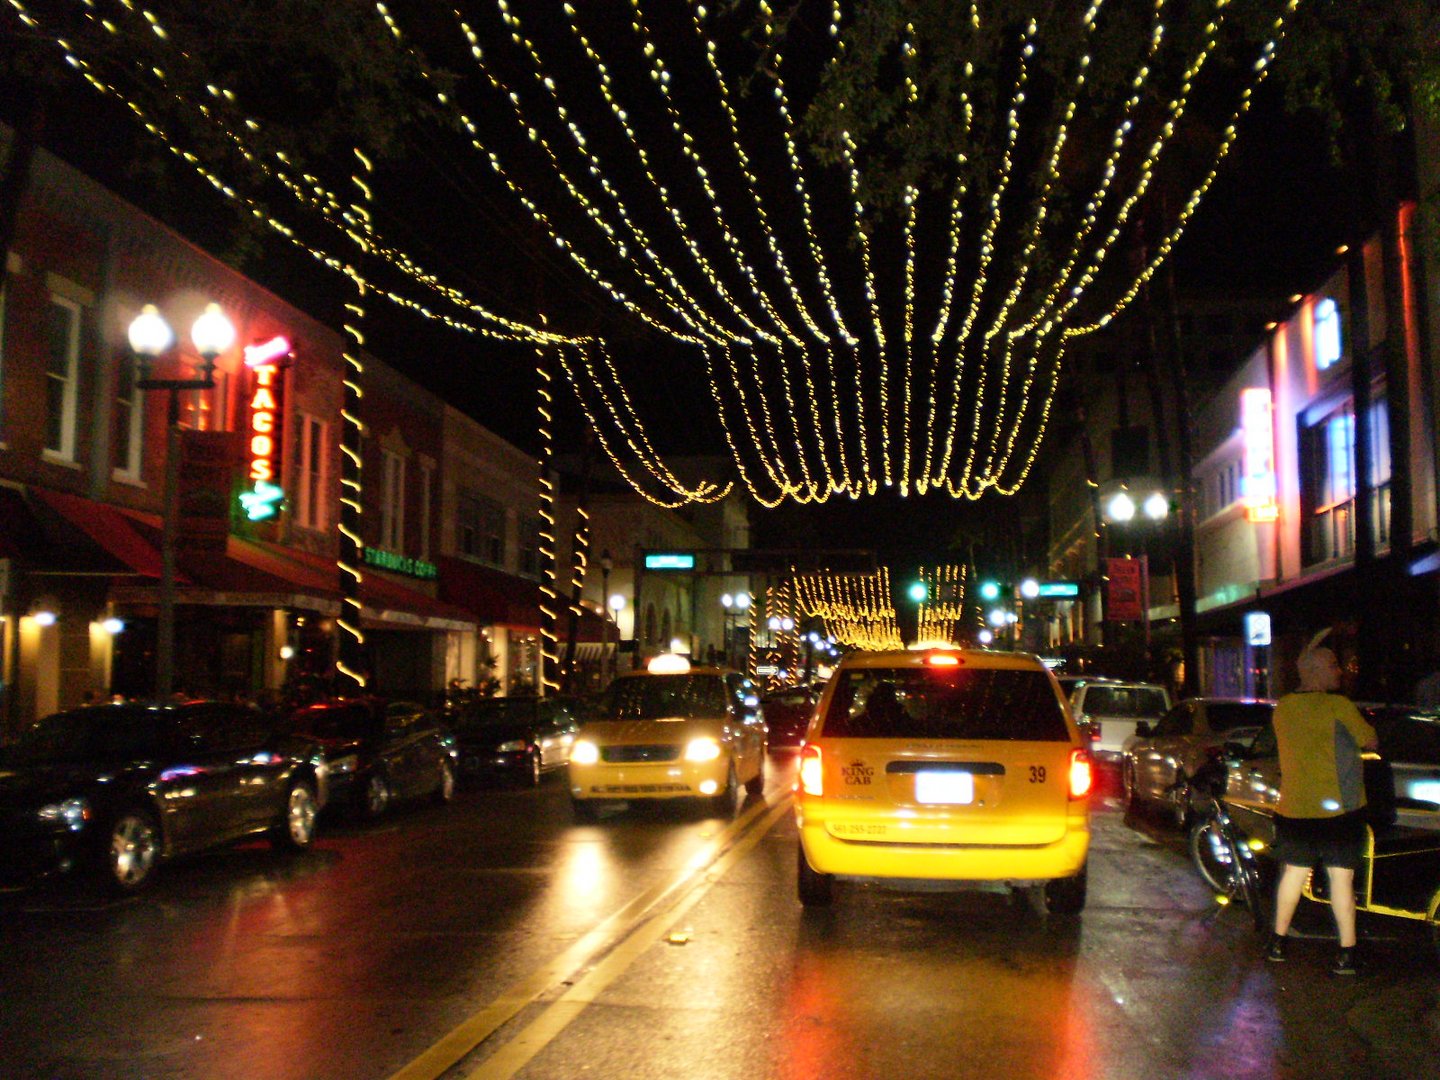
<point>955,788</point>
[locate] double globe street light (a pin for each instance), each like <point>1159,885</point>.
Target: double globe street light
<point>150,337</point>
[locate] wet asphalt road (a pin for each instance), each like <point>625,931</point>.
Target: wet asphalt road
<point>496,937</point>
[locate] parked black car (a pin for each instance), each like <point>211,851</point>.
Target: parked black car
<point>115,789</point>
<point>380,751</point>
<point>516,738</point>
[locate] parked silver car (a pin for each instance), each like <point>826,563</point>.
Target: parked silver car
<point>1109,709</point>
<point>1157,763</point>
<point>1409,747</point>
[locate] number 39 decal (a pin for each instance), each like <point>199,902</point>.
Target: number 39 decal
<point>1037,774</point>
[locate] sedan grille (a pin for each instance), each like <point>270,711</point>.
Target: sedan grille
<point>620,755</point>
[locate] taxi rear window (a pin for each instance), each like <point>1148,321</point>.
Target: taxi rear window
<point>946,703</point>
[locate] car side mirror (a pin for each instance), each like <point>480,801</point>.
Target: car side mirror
<point>1142,729</point>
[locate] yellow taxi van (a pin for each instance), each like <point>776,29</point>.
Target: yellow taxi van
<point>953,765</point>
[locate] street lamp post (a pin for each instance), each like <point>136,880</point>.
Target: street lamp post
<point>734,606</point>
<point>606,565</point>
<point>150,336</point>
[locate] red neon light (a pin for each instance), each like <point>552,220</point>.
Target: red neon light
<point>264,414</point>
<point>267,352</point>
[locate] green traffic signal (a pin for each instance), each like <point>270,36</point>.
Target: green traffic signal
<point>918,592</point>
<point>989,590</point>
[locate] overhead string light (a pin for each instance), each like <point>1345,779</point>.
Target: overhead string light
<point>1261,68</point>
<point>626,425</point>
<point>309,193</point>
<point>685,259</point>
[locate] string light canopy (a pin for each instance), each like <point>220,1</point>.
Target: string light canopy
<point>732,196</point>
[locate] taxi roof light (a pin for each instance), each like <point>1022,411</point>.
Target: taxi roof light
<point>668,664</point>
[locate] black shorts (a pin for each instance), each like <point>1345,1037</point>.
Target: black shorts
<point>1337,842</point>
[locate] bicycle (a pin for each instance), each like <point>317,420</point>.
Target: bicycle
<point>1223,855</point>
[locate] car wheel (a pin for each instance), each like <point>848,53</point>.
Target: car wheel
<point>723,801</point>
<point>1129,799</point>
<point>756,784</point>
<point>297,831</point>
<point>445,791</point>
<point>815,889</point>
<point>375,798</point>
<point>585,811</point>
<point>133,851</point>
<point>1066,896</point>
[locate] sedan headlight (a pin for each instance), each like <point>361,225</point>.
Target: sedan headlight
<point>73,813</point>
<point>584,752</point>
<point>706,749</point>
<point>514,746</point>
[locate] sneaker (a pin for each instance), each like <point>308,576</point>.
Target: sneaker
<point>1275,951</point>
<point>1344,962</point>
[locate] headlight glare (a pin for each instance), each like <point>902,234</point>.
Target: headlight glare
<point>584,752</point>
<point>73,813</point>
<point>702,750</point>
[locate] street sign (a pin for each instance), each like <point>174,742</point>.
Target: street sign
<point>1058,590</point>
<point>669,560</point>
<point>1257,628</point>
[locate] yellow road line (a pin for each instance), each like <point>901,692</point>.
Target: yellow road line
<point>514,1055</point>
<point>475,1029</point>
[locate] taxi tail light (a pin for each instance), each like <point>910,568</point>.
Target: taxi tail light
<point>1082,774</point>
<point>810,779</point>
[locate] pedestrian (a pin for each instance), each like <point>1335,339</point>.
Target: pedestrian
<point>1319,820</point>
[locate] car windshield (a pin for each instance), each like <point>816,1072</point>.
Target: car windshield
<point>1141,702</point>
<point>96,734</point>
<point>946,703</point>
<point>1411,739</point>
<point>327,722</point>
<point>658,697</point>
<point>1228,715</point>
<point>499,711</point>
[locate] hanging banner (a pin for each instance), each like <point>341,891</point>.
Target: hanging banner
<point>209,461</point>
<point>1123,590</point>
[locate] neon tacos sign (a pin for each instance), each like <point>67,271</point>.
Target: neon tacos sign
<point>263,446</point>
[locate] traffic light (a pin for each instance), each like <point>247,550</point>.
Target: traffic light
<point>989,590</point>
<point>918,592</point>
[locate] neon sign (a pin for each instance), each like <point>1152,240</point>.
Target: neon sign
<point>1258,488</point>
<point>265,497</point>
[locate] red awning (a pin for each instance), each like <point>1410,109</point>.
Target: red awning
<point>384,601</point>
<point>100,528</point>
<point>493,596</point>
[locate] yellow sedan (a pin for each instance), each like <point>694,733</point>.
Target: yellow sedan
<point>944,765</point>
<point>670,732</point>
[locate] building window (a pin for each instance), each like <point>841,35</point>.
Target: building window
<point>311,441</point>
<point>62,376</point>
<point>1327,333</point>
<point>530,546</point>
<point>392,501</point>
<point>129,420</point>
<point>1329,487</point>
<point>481,523</point>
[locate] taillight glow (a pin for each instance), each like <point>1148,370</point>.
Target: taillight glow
<point>1082,777</point>
<point>940,659</point>
<point>810,780</point>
